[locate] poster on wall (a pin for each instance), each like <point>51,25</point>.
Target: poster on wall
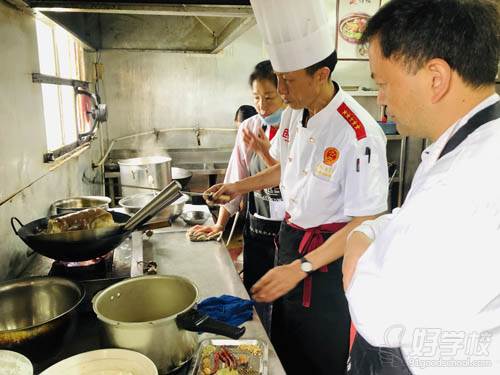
<point>352,16</point>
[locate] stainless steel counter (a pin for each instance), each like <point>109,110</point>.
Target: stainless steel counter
<point>207,264</point>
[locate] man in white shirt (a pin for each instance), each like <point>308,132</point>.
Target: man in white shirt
<point>423,283</point>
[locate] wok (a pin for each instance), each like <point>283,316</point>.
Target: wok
<point>88,244</point>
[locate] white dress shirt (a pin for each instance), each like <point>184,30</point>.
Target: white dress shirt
<point>430,282</point>
<point>330,171</point>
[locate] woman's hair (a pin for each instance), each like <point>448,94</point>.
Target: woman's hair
<point>263,71</point>
<point>245,111</point>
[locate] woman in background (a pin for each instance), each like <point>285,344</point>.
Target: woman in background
<point>265,209</point>
<point>244,112</point>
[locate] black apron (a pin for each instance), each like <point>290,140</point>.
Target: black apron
<point>311,340</point>
<point>366,359</point>
<point>259,238</point>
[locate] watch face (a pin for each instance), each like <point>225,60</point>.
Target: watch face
<point>306,267</point>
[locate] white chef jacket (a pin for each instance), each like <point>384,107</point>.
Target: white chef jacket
<point>239,166</point>
<point>351,181</point>
<point>430,282</point>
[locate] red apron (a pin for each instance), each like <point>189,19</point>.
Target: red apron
<point>311,241</point>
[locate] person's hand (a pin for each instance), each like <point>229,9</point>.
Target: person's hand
<point>208,230</point>
<point>256,143</point>
<point>277,282</point>
<point>356,246</point>
<point>220,193</point>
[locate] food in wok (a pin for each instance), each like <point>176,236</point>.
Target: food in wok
<point>91,218</point>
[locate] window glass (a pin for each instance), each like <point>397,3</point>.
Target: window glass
<point>60,55</point>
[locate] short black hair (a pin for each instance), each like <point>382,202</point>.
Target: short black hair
<point>330,62</point>
<point>263,71</point>
<point>464,33</point>
<point>245,111</point>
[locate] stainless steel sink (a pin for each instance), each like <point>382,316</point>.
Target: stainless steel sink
<point>203,168</point>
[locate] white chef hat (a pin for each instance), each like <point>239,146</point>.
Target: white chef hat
<point>296,33</point>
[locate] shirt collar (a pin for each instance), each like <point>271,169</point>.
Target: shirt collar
<point>319,118</point>
<point>434,150</point>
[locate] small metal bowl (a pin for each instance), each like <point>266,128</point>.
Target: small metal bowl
<point>133,203</point>
<point>195,217</point>
<point>69,205</point>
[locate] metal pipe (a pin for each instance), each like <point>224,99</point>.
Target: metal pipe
<point>101,169</point>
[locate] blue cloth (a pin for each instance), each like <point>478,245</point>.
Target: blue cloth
<point>229,309</point>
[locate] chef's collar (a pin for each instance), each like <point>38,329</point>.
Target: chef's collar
<point>325,113</point>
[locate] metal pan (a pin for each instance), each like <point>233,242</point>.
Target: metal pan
<point>38,315</point>
<point>82,245</point>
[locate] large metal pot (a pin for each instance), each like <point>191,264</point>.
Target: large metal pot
<point>68,205</point>
<point>38,315</point>
<point>151,172</point>
<point>155,315</point>
<point>135,202</point>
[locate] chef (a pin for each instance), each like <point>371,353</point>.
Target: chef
<point>425,295</point>
<point>332,173</point>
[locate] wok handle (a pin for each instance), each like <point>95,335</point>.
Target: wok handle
<point>195,321</point>
<point>12,221</point>
<point>166,197</point>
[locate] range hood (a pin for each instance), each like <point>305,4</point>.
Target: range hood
<point>201,26</point>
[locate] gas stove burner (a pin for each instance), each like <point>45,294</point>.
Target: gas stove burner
<point>87,270</point>
<point>85,263</point>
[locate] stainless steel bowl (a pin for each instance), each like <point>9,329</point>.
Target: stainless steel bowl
<point>135,202</point>
<point>195,217</point>
<point>65,206</point>
<point>37,315</point>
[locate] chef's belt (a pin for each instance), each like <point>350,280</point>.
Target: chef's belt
<point>312,239</point>
<point>263,227</point>
<point>366,359</point>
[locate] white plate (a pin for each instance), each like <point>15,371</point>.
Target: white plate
<point>104,362</point>
<point>13,363</point>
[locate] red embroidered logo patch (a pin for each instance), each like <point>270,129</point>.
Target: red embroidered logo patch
<point>353,120</point>
<point>285,135</point>
<point>331,155</point>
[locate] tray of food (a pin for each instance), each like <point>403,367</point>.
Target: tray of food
<point>231,357</point>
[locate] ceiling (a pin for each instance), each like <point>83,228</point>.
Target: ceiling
<point>199,26</point>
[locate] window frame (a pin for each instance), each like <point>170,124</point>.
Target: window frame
<point>77,84</point>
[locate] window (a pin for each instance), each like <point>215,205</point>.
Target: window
<point>60,55</point>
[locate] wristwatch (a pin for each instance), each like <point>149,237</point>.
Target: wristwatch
<point>306,266</point>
